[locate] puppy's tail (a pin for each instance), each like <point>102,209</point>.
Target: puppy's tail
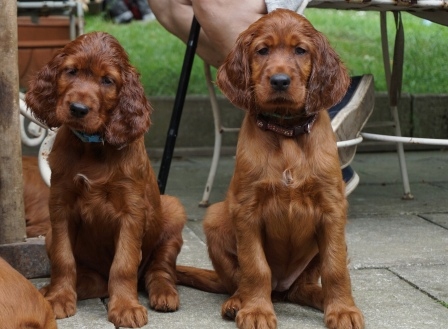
<point>202,279</point>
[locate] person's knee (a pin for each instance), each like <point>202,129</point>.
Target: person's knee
<point>166,11</point>
<point>208,6</point>
<point>228,8</point>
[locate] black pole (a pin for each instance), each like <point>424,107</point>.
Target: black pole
<point>178,105</point>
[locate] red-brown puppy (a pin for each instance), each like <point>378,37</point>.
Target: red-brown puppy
<point>35,197</point>
<point>110,227</point>
<point>21,304</point>
<point>282,224</point>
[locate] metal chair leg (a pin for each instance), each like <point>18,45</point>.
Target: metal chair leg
<point>394,82</point>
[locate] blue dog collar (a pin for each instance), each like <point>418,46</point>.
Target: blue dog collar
<point>86,138</point>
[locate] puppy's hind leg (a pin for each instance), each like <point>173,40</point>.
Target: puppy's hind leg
<point>306,290</point>
<point>221,242</point>
<point>90,284</point>
<point>160,278</point>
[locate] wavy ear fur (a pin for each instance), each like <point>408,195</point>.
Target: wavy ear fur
<point>329,79</point>
<point>327,85</point>
<point>233,76</point>
<point>131,117</point>
<point>42,95</point>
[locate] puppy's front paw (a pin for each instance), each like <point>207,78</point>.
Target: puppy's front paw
<point>343,317</point>
<point>62,300</point>
<point>231,307</point>
<point>128,314</point>
<point>164,300</point>
<point>256,318</point>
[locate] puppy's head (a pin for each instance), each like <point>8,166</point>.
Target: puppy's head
<point>281,63</point>
<point>90,86</point>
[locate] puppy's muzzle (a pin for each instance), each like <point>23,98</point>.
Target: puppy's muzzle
<point>78,110</point>
<point>280,81</point>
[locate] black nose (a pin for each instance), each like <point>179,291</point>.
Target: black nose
<point>78,110</point>
<point>280,81</point>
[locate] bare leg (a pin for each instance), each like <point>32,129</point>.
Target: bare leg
<point>221,22</point>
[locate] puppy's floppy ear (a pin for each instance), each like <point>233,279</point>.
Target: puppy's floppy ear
<point>42,96</point>
<point>233,76</point>
<point>329,79</point>
<point>131,117</point>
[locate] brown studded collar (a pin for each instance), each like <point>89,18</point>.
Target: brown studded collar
<point>265,122</point>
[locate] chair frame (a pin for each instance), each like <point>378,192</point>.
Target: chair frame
<point>32,131</point>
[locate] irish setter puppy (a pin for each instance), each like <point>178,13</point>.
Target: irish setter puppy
<point>35,196</point>
<point>110,228</point>
<point>282,224</point>
<point>21,304</point>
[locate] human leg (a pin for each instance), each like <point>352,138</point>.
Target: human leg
<point>348,118</point>
<point>221,22</point>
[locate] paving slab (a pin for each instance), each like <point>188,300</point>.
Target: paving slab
<point>385,241</point>
<point>431,279</point>
<point>439,219</point>
<point>388,302</point>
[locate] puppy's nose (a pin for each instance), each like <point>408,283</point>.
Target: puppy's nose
<point>280,81</point>
<point>78,110</point>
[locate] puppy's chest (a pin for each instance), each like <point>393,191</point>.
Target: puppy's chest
<point>288,192</point>
<point>96,196</point>
<point>287,168</point>
<point>286,179</point>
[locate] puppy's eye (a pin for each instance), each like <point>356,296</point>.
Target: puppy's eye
<point>107,81</point>
<point>263,51</point>
<point>71,71</point>
<point>299,51</point>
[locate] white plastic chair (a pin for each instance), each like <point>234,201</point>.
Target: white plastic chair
<point>33,132</point>
<point>347,147</point>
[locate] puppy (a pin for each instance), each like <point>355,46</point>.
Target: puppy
<point>35,196</point>
<point>110,228</point>
<point>22,306</point>
<point>281,227</point>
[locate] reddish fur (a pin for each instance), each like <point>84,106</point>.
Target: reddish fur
<point>282,224</point>
<point>110,228</point>
<point>35,196</point>
<point>22,306</point>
